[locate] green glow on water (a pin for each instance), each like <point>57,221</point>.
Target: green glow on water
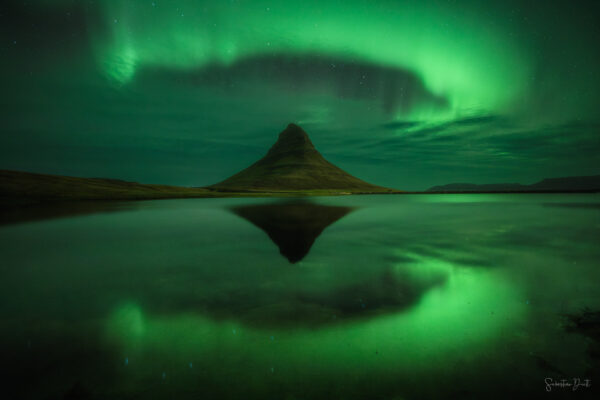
<point>470,311</point>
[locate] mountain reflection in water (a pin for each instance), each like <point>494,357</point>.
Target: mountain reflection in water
<point>293,227</point>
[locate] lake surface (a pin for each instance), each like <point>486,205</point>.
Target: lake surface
<point>355,297</point>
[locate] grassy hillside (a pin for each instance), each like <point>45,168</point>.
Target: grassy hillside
<point>24,186</point>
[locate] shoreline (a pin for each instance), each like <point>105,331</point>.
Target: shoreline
<point>21,188</point>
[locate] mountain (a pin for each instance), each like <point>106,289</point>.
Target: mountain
<point>293,164</point>
<point>566,184</point>
<point>293,227</point>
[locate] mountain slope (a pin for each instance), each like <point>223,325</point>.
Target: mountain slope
<point>292,164</point>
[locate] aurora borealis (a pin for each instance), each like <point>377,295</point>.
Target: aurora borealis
<point>406,94</point>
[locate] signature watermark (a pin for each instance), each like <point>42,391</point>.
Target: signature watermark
<point>567,384</point>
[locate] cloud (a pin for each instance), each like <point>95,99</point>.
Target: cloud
<point>394,90</point>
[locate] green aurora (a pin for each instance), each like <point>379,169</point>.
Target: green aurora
<point>400,93</point>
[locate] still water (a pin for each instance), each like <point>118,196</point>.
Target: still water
<point>366,297</point>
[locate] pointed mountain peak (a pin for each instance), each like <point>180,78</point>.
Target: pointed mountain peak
<point>293,130</point>
<point>293,163</point>
<point>293,137</point>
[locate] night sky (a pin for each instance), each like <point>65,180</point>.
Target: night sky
<point>405,94</point>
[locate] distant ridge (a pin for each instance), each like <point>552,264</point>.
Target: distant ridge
<point>566,184</point>
<point>293,164</point>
